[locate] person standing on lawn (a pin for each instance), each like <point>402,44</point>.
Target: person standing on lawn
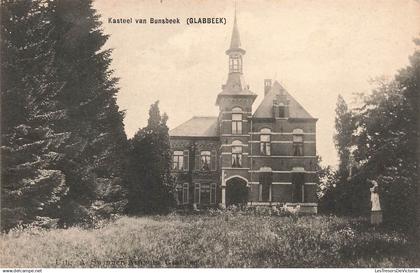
<point>376,212</point>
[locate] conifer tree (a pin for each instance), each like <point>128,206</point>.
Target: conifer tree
<point>61,126</point>
<point>32,184</point>
<point>342,137</point>
<point>151,185</point>
<point>95,165</point>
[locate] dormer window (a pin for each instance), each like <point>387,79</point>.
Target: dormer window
<point>282,111</point>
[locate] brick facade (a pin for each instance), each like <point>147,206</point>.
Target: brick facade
<point>271,150</point>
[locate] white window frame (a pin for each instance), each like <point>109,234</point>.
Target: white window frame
<point>206,155</point>
<point>237,154</point>
<point>265,145</point>
<point>237,123</point>
<point>178,160</point>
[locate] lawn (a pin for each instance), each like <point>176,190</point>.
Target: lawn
<point>211,240</point>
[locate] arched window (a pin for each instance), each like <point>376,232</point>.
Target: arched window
<point>265,141</point>
<point>205,157</point>
<point>236,154</point>
<point>236,121</point>
<point>298,142</point>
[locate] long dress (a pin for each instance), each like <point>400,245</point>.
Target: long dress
<point>376,212</point>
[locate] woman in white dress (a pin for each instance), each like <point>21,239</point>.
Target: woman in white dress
<point>376,212</point>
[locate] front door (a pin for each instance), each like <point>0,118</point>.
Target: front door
<point>236,192</point>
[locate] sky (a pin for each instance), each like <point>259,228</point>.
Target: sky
<point>317,49</point>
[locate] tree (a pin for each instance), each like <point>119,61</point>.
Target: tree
<point>151,185</point>
<point>385,150</point>
<point>343,192</point>
<point>61,125</point>
<point>95,164</point>
<point>32,145</point>
<point>343,136</point>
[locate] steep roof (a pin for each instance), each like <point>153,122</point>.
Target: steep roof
<point>196,127</point>
<point>235,41</point>
<point>265,109</point>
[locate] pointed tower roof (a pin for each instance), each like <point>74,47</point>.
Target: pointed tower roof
<point>235,84</point>
<point>235,40</point>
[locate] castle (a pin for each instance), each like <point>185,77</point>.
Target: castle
<point>265,157</point>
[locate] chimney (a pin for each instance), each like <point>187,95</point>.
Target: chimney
<point>267,86</point>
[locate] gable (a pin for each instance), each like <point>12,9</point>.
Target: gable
<point>265,109</point>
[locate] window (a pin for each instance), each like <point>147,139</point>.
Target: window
<point>264,192</point>
<point>236,124</point>
<point>282,111</point>
<point>298,187</point>
<point>235,63</point>
<point>197,193</point>
<point>185,190</point>
<point>205,157</point>
<point>297,145</point>
<point>266,179</point>
<point>178,160</point>
<point>213,193</point>
<point>236,154</point>
<point>265,142</point>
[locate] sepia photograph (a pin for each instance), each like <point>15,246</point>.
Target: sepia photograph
<point>210,134</point>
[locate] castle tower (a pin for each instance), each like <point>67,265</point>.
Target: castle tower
<point>235,110</point>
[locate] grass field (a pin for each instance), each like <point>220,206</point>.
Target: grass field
<point>221,240</point>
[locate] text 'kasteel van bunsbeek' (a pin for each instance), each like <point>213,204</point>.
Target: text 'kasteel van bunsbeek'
<point>167,21</point>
